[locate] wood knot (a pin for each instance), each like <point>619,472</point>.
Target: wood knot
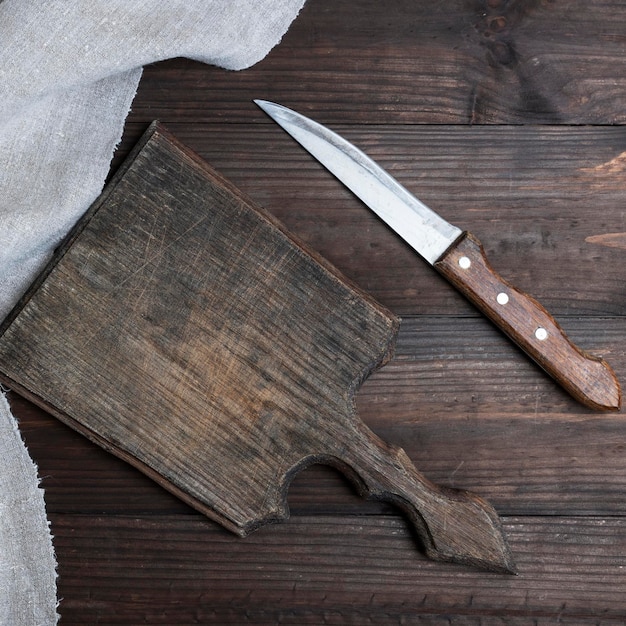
<point>496,23</point>
<point>501,53</point>
<point>495,26</point>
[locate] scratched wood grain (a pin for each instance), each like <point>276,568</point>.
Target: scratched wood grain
<point>464,403</point>
<point>180,327</point>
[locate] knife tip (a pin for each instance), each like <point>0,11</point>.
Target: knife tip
<point>263,104</point>
<point>273,109</point>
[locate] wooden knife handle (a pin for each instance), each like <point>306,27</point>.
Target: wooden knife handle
<point>586,377</point>
<point>452,525</point>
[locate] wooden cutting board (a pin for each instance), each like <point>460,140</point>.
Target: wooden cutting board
<point>186,331</point>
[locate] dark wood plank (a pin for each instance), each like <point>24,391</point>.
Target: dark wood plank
<point>544,201</point>
<point>467,407</point>
<point>449,365</point>
<point>462,62</point>
<point>184,570</point>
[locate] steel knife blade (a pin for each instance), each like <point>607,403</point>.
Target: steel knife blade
<point>460,258</point>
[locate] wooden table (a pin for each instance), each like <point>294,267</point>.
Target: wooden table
<point>507,117</point>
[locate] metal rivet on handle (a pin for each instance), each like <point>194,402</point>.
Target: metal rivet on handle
<point>464,263</point>
<point>502,298</point>
<point>541,334</point>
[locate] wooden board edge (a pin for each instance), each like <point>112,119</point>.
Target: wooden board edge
<point>80,225</point>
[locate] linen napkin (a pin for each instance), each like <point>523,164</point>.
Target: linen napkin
<point>69,71</point>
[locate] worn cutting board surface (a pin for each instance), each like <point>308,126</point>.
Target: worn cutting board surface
<point>186,331</point>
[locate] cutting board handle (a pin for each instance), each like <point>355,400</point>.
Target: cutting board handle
<point>453,525</point>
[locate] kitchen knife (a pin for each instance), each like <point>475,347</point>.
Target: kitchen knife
<point>460,258</point>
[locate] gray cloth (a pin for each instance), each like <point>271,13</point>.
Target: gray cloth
<point>27,572</point>
<point>69,71</point>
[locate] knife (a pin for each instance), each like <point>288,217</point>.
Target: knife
<point>459,257</point>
